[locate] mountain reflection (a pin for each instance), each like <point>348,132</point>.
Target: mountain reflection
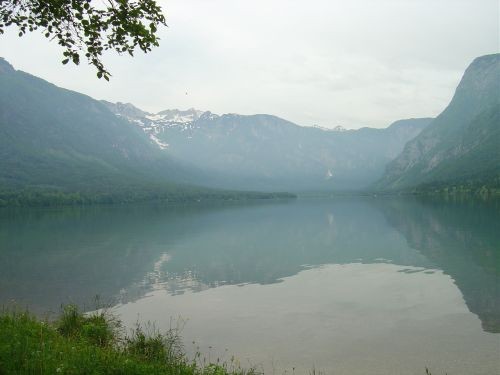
<point>122,253</point>
<point>462,239</point>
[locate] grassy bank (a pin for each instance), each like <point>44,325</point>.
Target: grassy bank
<point>95,344</point>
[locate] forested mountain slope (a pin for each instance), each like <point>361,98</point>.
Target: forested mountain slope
<point>56,141</point>
<point>461,147</point>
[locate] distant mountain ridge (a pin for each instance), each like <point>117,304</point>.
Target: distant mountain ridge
<point>265,152</point>
<point>63,142</point>
<point>461,147</point>
<point>58,146</point>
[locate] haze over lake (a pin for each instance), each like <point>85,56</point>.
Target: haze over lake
<point>249,188</point>
<point>355,285</point>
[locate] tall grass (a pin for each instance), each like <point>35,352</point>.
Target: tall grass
<point>95,344</point>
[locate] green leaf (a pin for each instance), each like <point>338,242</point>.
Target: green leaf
<point>121,25</point>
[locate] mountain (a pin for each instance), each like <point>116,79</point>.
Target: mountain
<point>461,147</point>
<point>63,142</point>
<point>58,141</point>
<point>265,152</point>
<point>54,137</point>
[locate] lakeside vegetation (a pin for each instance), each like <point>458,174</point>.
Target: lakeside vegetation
<point>96,343</point>
<point>56,198</point>
<point>484,189</point>
<point>59,198</point>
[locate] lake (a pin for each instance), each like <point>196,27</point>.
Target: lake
<point>343,285</point>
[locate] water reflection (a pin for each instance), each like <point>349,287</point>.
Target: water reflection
<point>461,238</point>
<point>122,253</point>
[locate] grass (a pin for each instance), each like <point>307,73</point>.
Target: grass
<point>95,344</point>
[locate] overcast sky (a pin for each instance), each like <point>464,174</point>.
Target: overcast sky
<point>316,62</point>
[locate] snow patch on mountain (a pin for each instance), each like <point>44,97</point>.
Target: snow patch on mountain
<point>176,116</point>
<point>156,140</point>
<point>154,124</point>
<point>155,117</point>
<point>338,128</point>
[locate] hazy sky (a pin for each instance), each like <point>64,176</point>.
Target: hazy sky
<point>333,62</point>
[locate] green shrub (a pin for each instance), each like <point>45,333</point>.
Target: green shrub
<point>99,328</point>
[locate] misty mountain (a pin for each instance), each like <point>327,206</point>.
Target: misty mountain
<point>266,152</point>
<point>462,145</point>
<point>63,142</point>
<point>53,137</point>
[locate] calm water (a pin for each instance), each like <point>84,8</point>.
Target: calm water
<point>345,285</point>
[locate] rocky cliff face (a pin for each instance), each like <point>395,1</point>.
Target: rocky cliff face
<point>461,144</point>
